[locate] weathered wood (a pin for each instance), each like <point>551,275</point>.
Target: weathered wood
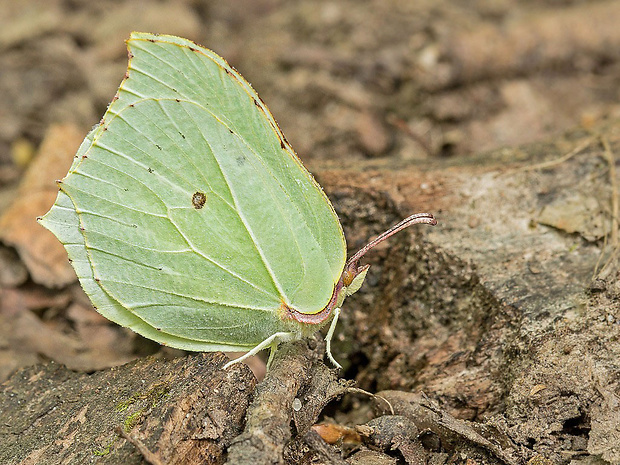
<point>495,311</point>
<point>296,373</point>
<point>184,411</point>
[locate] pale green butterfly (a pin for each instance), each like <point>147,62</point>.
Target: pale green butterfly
<point>189,219</point>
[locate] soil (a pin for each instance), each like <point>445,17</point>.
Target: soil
<point>493,336</point>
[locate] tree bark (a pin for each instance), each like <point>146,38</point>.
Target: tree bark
<point>180,411</point>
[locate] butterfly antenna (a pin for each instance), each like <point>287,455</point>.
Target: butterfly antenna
<point>416,218</point>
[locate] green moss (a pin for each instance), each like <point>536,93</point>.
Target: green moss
<point>132,419</point>
<point>152,396</point>
<point>143,402</point>
<point>149,399</point>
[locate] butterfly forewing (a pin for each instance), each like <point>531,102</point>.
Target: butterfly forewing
<point>195,219</point>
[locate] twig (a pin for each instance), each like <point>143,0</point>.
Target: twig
<point>615,207</point>
<point>404,127</point>
<point>268,420</point>
<point>374,396</point>
<point>614,191</point>
<point>556,161</point>
<point>597,268</point>
<point>452,431</point>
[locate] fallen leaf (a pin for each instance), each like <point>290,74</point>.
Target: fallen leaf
<point>44,257</point>
<point>333,434</point>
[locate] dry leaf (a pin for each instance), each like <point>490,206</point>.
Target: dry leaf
<point>40,251</point>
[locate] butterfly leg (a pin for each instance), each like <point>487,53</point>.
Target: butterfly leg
<point>328,338</point>
<point>271,342</point>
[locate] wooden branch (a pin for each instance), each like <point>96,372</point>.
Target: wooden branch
<point>181,411</point>
<point>296,373</point>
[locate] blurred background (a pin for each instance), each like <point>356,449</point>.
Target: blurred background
<point>381,83</point>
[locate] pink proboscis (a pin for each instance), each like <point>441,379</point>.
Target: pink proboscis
<point>351,269</point>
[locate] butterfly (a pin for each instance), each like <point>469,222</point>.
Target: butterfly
<point>189,218</point>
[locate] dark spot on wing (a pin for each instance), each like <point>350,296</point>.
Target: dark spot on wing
<point>158,146</point>
<point>240,160</point>
<point>198,200</point>
<point>150,170</point>
<point>182,135</point>
<point>282,144</point>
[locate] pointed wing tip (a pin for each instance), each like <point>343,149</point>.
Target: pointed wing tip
<point>137,35</point>
<point>42,220</point>
<point>141,35</point>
